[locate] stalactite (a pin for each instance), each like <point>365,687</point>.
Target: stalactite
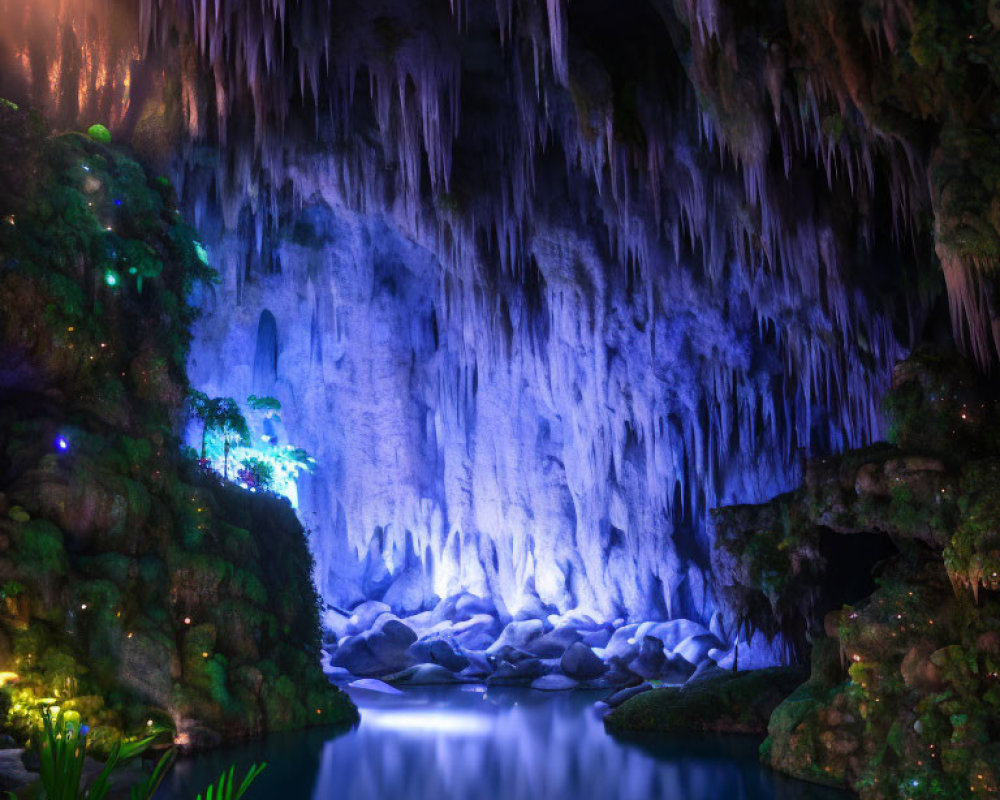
<point>742,328</point>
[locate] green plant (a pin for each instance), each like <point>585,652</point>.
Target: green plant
<point>221,418</point>
<point>62,749</point>
<point>267,404</point>
<point>226,788</point>
<point>256,473</point>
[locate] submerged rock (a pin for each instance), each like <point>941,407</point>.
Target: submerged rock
<point>622,695</point>
<point>372,685</point>
<point>554,683</point>
<point>425,675</point>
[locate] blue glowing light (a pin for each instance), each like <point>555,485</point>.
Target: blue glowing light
<point>118,202</point>
<point>62,444</point>
<point>111,278</point>
<point>421,722</point>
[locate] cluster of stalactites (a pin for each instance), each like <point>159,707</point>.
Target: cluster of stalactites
<point>691,194</point>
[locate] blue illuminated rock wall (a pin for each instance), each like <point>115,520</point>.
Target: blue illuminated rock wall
<point>560,448</point>
<point>533,306</point>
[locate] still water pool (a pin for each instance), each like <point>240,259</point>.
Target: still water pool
<point>469,743</point>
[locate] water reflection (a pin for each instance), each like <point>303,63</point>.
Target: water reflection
<point>496,745</point>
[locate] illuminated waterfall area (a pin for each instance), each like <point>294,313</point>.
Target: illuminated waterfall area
<point>500,399</point>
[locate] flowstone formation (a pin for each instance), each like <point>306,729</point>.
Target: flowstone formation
<point>904,696</point>
<point>136,589</point>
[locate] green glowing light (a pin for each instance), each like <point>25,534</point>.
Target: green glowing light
<point>199,248</point>
<point>111,278</point>
<point>99,133</point>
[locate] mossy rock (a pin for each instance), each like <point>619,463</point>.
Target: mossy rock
<point>740,702</point>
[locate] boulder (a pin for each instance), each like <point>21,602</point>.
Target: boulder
<point>517,634</point>
<point>363,616</point>
<point>398,634</point>
<point>619,674</point>
<point>334,622</point>
<point>407,592</point>
<point>917,669</point>
<point>580,662</point>
<point>439,651</point>
<point>671,633</point>
<point>476,633</point>
<point>461,607</point>
<point>390,647</point>
<point>650,661</point>
<point>598,638</point>
<point>479,666</point>
<point>623,643</point>
<point>694,649</point>
<point>676,670</point>
<point>354,655</point>
<point>554,643</point>
<point>520,674</point>
<point>707,670</point>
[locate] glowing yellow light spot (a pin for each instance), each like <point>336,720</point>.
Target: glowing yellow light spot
<point>204,655</point>
<point>8,677</point>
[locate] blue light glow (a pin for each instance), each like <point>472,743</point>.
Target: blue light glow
<point>422,722</point>
<point>62,444</point>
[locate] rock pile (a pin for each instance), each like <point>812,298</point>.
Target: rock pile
<point>466,639</point>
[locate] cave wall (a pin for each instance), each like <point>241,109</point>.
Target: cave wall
<point>547,284</point>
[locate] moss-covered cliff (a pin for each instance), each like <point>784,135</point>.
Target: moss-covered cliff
<point>135,587</point>
<point>904,697</point>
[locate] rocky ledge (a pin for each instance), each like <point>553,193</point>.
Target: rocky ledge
<point>884,565</point>
<point>135,588</point>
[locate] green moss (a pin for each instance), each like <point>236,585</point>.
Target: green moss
<point>740,702</point>
<point>40,549</point>
<point>136,587</point>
